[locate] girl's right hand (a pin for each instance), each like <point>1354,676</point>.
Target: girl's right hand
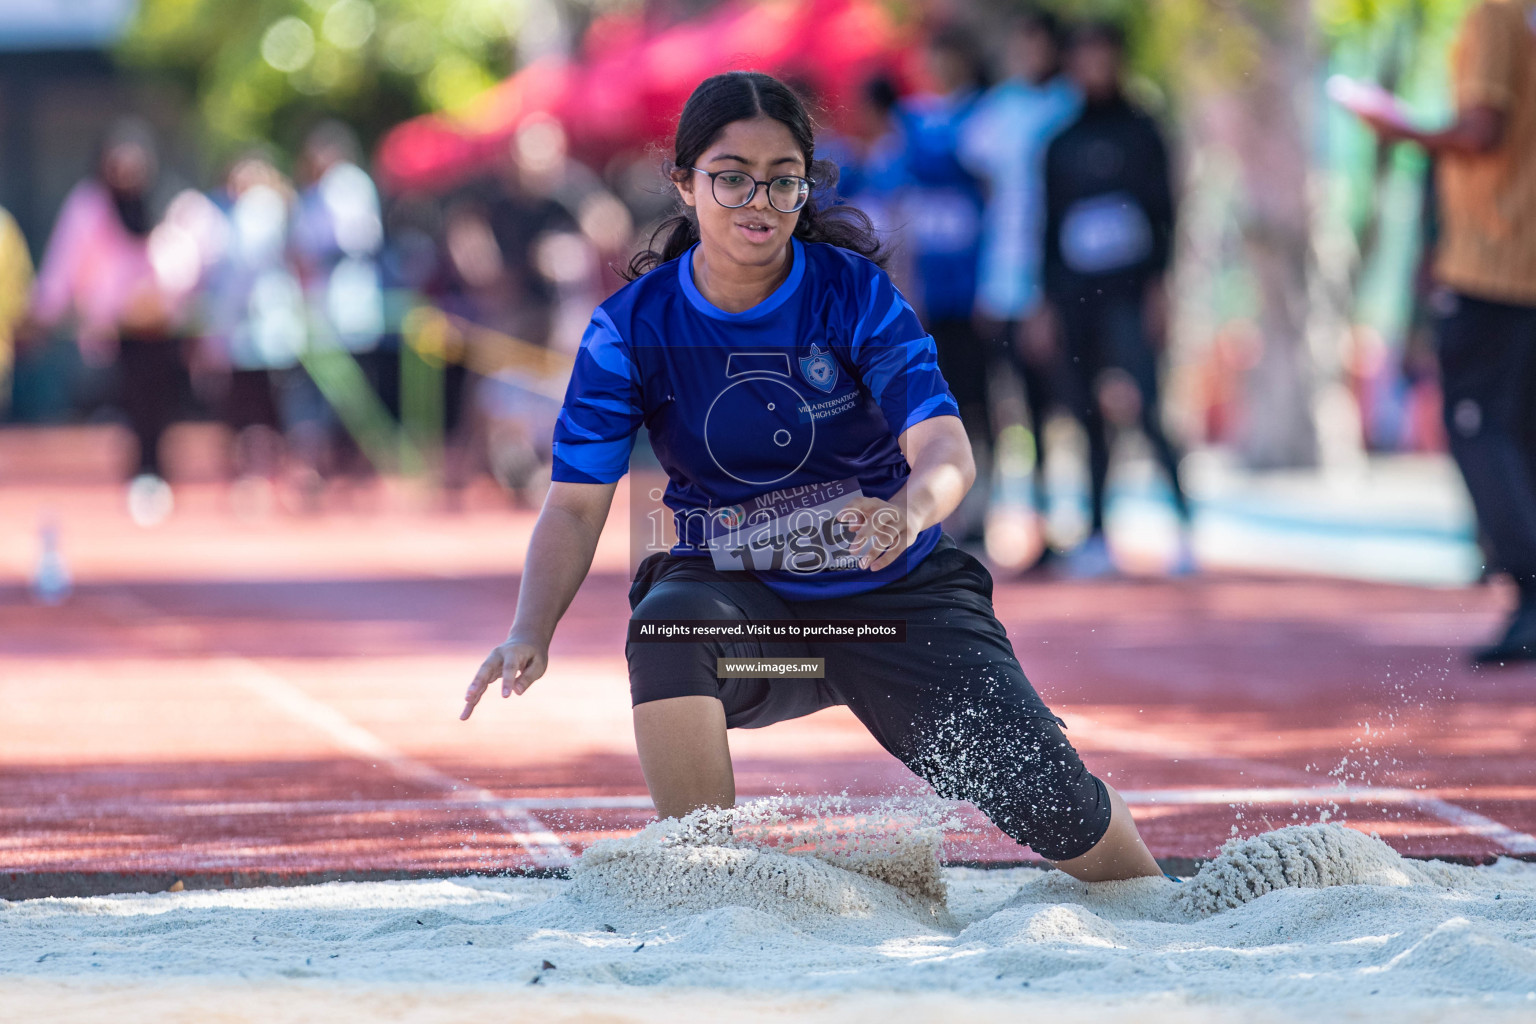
<point>516,662</point>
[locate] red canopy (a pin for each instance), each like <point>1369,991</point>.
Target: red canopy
<point>627,87</point>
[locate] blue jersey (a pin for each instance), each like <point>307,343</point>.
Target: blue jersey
<point>942,204</point>
<point>811,385</point>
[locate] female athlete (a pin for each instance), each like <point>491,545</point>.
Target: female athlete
<point>780,375</point>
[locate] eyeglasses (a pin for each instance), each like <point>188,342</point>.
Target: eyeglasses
<point>787,193</point>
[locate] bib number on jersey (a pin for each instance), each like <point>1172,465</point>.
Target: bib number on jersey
<point>795,529</point>
<point>1104,234</point>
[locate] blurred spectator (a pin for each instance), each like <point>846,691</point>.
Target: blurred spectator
<point>871,169</point>
<point>15,285</point>
<point>337,234</point>
<point>473,288</point>
<point>1004,143</point>
<point>126,288</point>
<point>579,221</point>
<point>1219,377</point>
<point>336,239</point>
<point>941,209</point>
<point>254,327</point>
<point>526,257</point>
<point>1485,164</point>
<point>869,155</point>
<point>532,210</point>
<point>1108,239</point>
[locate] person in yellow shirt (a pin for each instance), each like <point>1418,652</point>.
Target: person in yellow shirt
<point>1486,269</point>
<point>15,288</point>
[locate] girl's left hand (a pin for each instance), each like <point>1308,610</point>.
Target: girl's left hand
<point>882,531</point>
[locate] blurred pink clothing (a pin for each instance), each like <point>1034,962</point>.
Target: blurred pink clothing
<point>97,269</point>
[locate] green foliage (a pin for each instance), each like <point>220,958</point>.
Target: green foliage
<point>1194,44</point>
<point>1344,19</point>
<point>262,70</point>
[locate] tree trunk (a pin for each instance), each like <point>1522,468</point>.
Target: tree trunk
<point>1264,121</point>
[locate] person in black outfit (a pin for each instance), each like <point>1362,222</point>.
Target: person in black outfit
<point>1108,239</point>
<point>1485,303</point>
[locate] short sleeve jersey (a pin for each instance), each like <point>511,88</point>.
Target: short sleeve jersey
<point>1488,200</point>
<point>813,384</point>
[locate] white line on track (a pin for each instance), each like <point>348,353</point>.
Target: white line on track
<point>1453,814</point>
<point>544,847</point>
<point>523,808</point>
<point>1131,740</point>
<point>1470,821</point>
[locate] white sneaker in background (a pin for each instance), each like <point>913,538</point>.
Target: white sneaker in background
<point>51,584</point>
<point>150,501</point>
<point>1184,561</point>
<point>1090,560</point>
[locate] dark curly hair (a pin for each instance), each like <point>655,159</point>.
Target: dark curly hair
<point>741,96</point>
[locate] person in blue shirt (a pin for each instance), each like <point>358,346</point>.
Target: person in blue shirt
<point>812,449</point>
<point>941,224</point>
<point>1004,144</point>
<point>869,157</point>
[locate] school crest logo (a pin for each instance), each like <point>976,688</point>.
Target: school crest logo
<point>819,370</point>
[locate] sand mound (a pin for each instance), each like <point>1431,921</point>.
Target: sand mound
<point>717,859</point>
<point>1296,857</point>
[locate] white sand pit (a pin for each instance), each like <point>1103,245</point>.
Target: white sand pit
<point>831,923</point>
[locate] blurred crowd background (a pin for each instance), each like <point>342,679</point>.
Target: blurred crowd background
<point>361,237</point>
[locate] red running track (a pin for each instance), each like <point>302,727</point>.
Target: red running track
<point>233,702</point>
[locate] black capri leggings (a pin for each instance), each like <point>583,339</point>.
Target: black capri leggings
<point>951,702</point>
